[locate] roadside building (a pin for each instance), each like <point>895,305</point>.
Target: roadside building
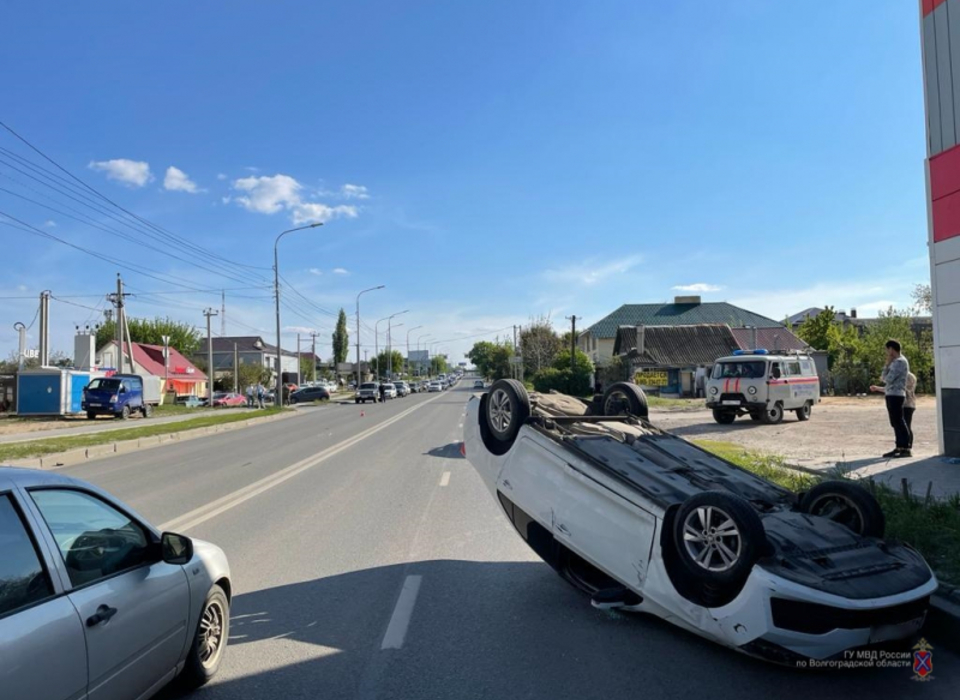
<point>180,374</point>
<point>918,324</point>
<point>249,349</point>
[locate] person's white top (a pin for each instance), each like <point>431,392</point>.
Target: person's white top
<point>911,389</point>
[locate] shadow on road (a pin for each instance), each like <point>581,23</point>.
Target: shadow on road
<point>450,451</point>
<point>498,630</point>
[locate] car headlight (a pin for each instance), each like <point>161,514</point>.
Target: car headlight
<point>752,389</point>
<point>714,390</point>
<point>113,398</point>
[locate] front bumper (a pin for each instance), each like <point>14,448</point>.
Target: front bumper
<point>744,405</point>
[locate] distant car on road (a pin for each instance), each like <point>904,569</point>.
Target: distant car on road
<point>225,399</point>
<point>435,386</point>
<point>478,384</point>
<point>92,596</point>
<point>368,391</point>
<point>310,393</point>
<point>403,389</point>
<point>389,390</point>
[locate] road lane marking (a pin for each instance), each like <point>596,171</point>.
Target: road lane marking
<point>402,613</point>
<point>232,500</point>
<point>445,479</point>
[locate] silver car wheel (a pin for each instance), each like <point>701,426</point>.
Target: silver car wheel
<point>712,539</point>
<point>211,634</point>
<point>501,412</point>
<point>617,404</point>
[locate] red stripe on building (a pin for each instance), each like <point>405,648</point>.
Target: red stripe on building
<point>928,6</point>
<point>945,193</point>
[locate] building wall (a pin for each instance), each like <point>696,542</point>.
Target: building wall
<point>940,39</point>
<point>599,350</point>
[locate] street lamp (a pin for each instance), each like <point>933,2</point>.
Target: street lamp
<point>420,364</point>
<point>276,292</point>
<point>358,328</point>
<point>408,346</point>
<point>376,336</point>
<point>390,351</point>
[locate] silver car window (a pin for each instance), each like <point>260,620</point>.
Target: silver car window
<point>95,539</point>
<point>23,579</point>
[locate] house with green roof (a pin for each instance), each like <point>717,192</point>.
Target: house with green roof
<point>598,340</point>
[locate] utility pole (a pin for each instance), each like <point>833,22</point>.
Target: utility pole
<point>117,300</point>
<point>573,344</point>
<point>166,362</point>
<point>223,312</point>
<point>313,351</point>
<point>209,313</point>
<point>236,369</point>
<point>358,330</point>
<point>299,362</point>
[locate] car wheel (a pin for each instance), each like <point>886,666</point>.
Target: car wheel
<point>506,409</point>
<point>848,504</point>
<point>718,537</point>
<point>772,415</point>
<point>754,416</point>
<point>724,417</point>
<point>356,400</point>
<point>124,413</point>
<point>91,415</point>
<point>624,398</point>
<point>210,640</point>
<point>147,410</point>
<point>803,413</point>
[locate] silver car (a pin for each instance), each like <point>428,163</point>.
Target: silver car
<point>97,604</point>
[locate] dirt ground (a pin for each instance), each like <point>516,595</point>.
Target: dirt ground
<point>842,429</point>
<point>29,425</point>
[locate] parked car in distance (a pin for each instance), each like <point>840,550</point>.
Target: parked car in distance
<point>368,391</point>
<point>191,401</point>
<point>225,399</point>
<point>120,396</point>
<point>310,393</point>
<point>94,596</point>
<point>435,386</point>
<point>389,390</point>
<point>402,388</point>
<point>478,384</point>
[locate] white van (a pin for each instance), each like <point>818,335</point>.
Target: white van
<point>763,386</point>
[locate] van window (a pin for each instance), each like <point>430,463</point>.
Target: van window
<point>752,369</point>
<point>807,366</point>
<point>793,369</point>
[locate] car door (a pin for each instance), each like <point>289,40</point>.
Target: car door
<point>42,648</point>
<point>134,607</point>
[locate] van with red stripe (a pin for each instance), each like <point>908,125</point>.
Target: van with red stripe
<point>763,386</point>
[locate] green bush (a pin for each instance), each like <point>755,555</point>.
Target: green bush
<point>561,380</point>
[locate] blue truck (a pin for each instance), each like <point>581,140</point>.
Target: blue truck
<point>119,395</point>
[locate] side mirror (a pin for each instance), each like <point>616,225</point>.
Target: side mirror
<point>176,549</point>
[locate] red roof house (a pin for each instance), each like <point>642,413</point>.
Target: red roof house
<point>182,376</point>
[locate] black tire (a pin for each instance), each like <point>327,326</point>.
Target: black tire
<point>506,409</point>
<point>356,400</point>
<point>124,413</point>
<point>848,504</point>
<point>91,415</point>
<point>147,410</point>
<point>624,398</point>
<point>755,417</point>
<point>728,558</point>
<point>197,671</point>
<point>803,413</point>
<point>772,416</point>
<point>724,417</point>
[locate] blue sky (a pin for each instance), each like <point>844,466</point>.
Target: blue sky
<point>488,162</point>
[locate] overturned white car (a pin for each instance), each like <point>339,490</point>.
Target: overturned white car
<point>644,521</point>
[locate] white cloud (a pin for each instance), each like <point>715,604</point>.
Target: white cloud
<point>304,330</point>
<point>221,176</point>
<point>177,181</point>
<point>315,271</point>
<point>592,272</point>
<point>698,287</point>
<point>133,173</point>
<point>50,223</point>
<point>354,192</point>
<point>22,287</point>
<point>275,193</point>
<point>861,295</point>
<point>340,271</point>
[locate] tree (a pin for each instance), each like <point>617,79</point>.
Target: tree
<point>922,299</point>
<point>492,360</point>
<point>307,367</point>
<point>917,346</point>
<point>386,361</point>
<point>341,339</point>
<point>539,344</point>
<point>815,330</point>
<point>183,337</point>
<point>439,365</point>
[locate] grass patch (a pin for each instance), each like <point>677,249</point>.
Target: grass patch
<point>41,447</point>
<point>931,526</point>
<point>675,404</point>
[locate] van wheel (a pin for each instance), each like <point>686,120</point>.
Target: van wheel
<point>505,410</point>
<point>772,415</point>
<point>803,413</point>
<point>124,413</point>
<point>847,503</point>
<point>755,416</point>
<point>624,398</point>
<point>724,417</point>
<point>91,415</point>
<point>147,410</point>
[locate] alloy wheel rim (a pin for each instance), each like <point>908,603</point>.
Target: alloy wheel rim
<point>712,539</point>
<point>501,411</point>
<point>211,634</point>
<point>840,510</point>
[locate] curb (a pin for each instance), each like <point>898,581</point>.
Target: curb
<point>78,456</point>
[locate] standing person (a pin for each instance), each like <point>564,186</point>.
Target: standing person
<point>383,393</point>
<point>894,379</point>
<point>260,393</point>
<point>700,382</point>
<point>910,404</point>
<point>250,396</point>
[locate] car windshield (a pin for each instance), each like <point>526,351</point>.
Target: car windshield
<point>104,384</point>
<point>750,369</point>
<point>220,395</point>
<point>368,385</point>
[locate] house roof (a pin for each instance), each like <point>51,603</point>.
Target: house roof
<point>150,357</point>
<point>676,346</point>
<point>674,314</point>
<point>769,338</point>
<point>244,343</point>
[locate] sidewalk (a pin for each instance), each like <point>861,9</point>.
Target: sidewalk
<point>940,474</point>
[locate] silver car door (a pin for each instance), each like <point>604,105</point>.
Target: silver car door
<point>42,647</point>
<point>134,607</point>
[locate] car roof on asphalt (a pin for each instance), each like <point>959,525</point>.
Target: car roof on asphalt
<point>22,476</point>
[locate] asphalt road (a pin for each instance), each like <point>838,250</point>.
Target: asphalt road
<point>370,562</point>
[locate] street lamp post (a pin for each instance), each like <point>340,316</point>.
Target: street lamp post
<point>407,361</point>
<point>358,328</point>
<point>390,350</point>
<point>420,364</point>
<point>376,336</point>
<point>276,292</point>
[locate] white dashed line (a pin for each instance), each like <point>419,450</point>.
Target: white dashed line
<point>400,621</point>
<point>445,479</point>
